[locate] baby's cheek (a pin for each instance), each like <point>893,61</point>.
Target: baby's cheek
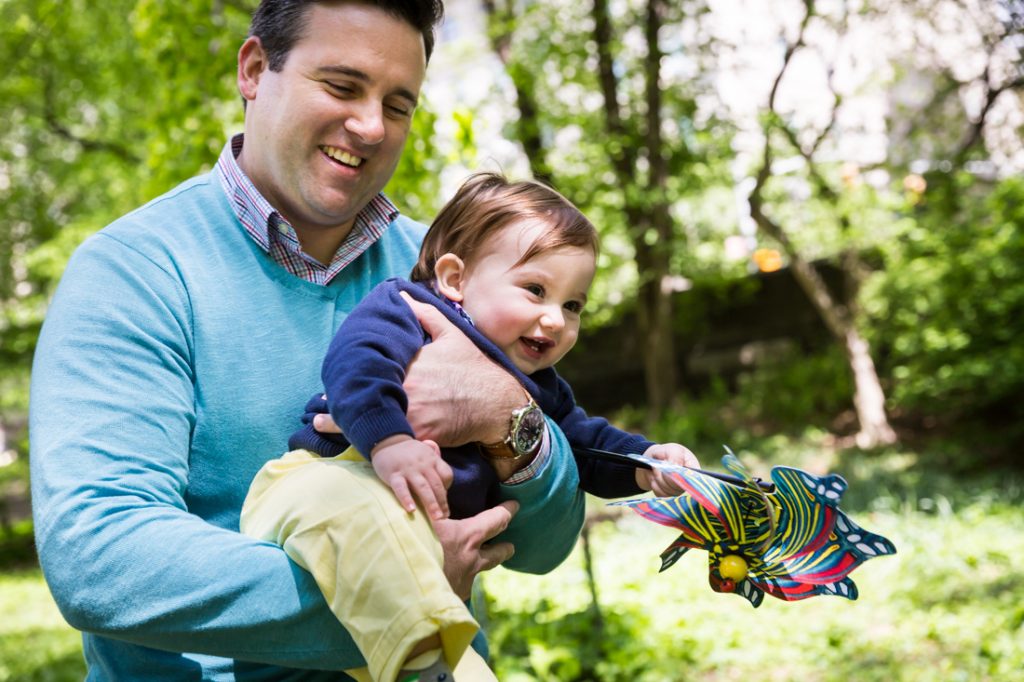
<point>497,329</point>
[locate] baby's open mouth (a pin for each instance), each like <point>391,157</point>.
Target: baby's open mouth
<point>535,345</point>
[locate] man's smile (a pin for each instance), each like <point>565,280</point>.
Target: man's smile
<point>341,156</point>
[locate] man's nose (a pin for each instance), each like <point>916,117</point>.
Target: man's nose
<point>366,122</point>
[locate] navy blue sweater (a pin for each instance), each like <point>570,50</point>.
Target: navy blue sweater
<point>363,375</point>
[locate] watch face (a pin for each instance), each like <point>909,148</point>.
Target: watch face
<point>528,431</point>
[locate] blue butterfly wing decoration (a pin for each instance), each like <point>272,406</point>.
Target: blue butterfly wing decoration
<point>788,539</point>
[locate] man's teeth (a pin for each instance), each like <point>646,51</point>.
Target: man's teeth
<point>341,156</point>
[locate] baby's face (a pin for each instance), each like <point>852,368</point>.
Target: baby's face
<point>530,310</point>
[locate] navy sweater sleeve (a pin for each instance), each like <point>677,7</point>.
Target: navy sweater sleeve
<point>597,477</point>
<point>365,367</point>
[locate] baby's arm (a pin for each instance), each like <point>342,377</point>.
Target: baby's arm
<point>414,468</point>
<point>672,453</point>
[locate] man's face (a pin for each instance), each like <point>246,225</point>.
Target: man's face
<point>323,135</point>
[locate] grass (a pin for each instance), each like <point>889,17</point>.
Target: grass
<point>949,606</point>
<point>36,645</point>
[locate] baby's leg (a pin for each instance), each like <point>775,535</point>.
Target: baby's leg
<point>380,569</point>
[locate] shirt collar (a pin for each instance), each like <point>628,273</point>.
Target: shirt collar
<point>258,217</point>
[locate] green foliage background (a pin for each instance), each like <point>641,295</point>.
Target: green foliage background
<point>948,307</point>
<point>947,607</point>
<point>106,105</point>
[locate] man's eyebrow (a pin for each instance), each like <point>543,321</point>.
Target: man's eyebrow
<point>350,72</point>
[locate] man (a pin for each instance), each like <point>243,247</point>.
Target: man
<point>185,335</point>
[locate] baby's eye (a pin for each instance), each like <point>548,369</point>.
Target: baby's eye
<point>575,307</point>
<point>535,289</point>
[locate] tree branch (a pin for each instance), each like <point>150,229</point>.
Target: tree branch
<point>834,314</point>
<point>974,134</point>
<point>87,144</point>
<point>500,24</point>
<point>623,155</point>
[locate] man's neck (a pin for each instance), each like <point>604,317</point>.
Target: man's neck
<point>318,242</point>
<point>322,244</point>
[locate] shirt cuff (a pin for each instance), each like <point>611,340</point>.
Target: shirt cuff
<point>531,470</point>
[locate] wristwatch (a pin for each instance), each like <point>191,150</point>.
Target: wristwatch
<point>525,432</point>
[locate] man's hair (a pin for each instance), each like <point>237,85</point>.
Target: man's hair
<point>279,24</point>
<point>488,202</point>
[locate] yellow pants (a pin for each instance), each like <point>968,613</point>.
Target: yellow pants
<point>379,567</point>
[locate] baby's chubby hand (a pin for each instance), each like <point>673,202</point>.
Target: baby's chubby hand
<point>672,453</point>
<point>411,468</point>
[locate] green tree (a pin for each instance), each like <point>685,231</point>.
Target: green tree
<point>838,316</point>
<point>620,133</point>
<point>844,214</point>
<point>948,309</point>
<point>107,105</point>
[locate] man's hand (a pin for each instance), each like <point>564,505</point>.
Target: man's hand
<point>456,394</point>
<point>465,551</point>
<point>414,468</point>
<point>673,453</point>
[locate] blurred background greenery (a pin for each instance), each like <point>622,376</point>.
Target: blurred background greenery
<point>811,216</point>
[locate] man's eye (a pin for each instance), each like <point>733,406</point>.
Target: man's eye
<point>399,112</point>
<point>340,89</point>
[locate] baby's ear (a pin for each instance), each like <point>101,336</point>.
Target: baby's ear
<point>450,272</point>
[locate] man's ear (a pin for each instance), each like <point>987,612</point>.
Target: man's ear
<point>450,272</point>
<point>252,62</point>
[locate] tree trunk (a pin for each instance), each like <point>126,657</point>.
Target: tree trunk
<point>654,322</point>
<point>654,299</point>
<point>646,206</point>
<point>868,398</point>
<point>500,22</point>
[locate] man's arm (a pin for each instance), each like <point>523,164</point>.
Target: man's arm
<point>457,395</point>
<point>112,416</point>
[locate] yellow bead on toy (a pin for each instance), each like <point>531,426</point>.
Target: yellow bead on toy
<point>733,567</point>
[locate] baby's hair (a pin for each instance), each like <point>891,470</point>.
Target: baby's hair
<point>488,202</point>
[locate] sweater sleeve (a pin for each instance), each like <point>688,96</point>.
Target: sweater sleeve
<point>551,511</point>
<point>365,367</point>
<point>598,477</point>
<point>113,406</point>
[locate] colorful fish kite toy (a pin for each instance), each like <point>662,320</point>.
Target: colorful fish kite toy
<point>787,538</point>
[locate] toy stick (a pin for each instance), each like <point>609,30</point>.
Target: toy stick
<point>649,463</point>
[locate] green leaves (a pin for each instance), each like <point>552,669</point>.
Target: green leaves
<point>105,106</point>
<point>948,312</point>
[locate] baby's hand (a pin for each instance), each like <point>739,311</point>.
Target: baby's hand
<point>414,467</point>
<point>673,453</point>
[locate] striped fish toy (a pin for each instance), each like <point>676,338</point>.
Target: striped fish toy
<point>787,538</point>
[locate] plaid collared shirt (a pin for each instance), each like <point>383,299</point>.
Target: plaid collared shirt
<point>275,236</point>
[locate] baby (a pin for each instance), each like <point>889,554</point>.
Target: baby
<point>510,264</point>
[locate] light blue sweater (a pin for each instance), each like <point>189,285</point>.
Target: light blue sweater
<point>174,361</point>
